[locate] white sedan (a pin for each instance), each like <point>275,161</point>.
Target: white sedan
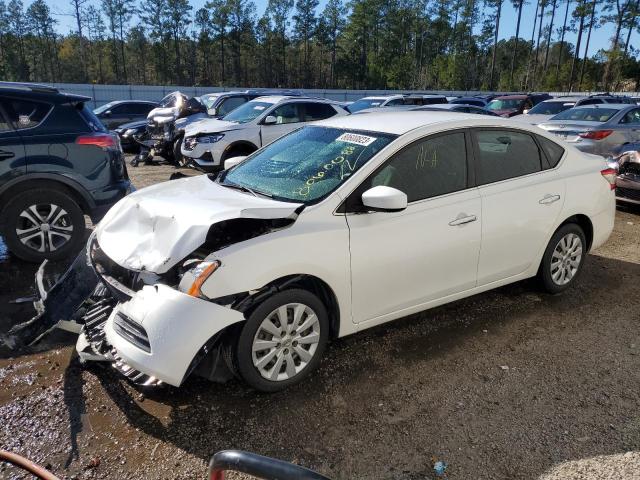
<point>333,229</point>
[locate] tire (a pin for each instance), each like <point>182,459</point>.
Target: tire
<point>24,226</point>
<point>563,258</point>
<point>254,368</point>
<point>178,158</point>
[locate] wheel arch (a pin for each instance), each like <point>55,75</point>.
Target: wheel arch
<point>584,222</point>
<point>60,182</point>
<point>240,144</point>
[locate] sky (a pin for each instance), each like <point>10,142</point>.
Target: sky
<point>600,38</point>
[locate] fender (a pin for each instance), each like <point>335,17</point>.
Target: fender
<point>239,143</point>
<point>87,201</point>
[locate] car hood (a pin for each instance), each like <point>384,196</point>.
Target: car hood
<point>136,124</point>
<point>183,123</point>
<point>210,125</point>
<point>155,228</point>
<point>506,112</point>
<point>533,119</point>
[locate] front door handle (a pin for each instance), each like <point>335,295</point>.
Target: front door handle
<point>548,199</point>
<point>5,155</point>
<point>462,219</point>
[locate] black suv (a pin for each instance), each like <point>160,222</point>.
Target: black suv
<point>57,164</point>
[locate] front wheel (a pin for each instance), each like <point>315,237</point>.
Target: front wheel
<point>178,158</point>
<point>563,259</point>
<point>282,341</point>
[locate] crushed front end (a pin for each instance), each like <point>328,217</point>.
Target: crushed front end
<point>139,322</point>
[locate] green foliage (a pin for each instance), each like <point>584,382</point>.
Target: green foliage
<point>370,44</point>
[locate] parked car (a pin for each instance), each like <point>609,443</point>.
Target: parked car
<point>58,163</point>
<point>374,102</point>
<point>259,122</point>
<point>114,114</point>
<point>458,107</point>
<point>602,98</point>
<point>511,105</point>
<point>220,103</point>
<point>627,164</point>
<point>335,228</point>
<point>543,111</point>
<point>476,101</point>
<point>598,129</point>
<point>127,133</point>
<point>425,99</point>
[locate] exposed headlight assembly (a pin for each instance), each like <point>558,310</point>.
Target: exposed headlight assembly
<point>201,273</point>
<point>210,138</point>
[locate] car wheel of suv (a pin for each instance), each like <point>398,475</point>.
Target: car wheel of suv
<point>563,259</point>
<point>42,224</point>
<point>282,341</point>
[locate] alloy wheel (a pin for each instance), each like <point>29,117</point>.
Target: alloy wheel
<point>566,257</point>
<point>44,227</point>
<point>286,342</point>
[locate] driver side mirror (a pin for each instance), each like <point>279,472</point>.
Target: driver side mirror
<point>384,199</point>
<point>107,113</point>
<point>212,112</point>
<point>233,161</point>
<point>525,111</point>
<point>270,120</point>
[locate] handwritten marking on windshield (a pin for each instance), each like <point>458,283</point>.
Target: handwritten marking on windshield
<point>340,160</point>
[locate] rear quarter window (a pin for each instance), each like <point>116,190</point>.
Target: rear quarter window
<point>89,118</point>
<point>552,150</point>
<point>25,113</point>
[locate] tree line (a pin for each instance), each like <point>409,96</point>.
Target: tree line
<point>360,44</point>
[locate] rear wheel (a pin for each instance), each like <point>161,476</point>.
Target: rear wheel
<point>44,223</point>
<point>563,259</point>
<point>282,341</point>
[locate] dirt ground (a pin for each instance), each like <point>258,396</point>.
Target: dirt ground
<point>510,384</point>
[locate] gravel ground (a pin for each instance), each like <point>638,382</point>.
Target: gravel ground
<point>508,384</point>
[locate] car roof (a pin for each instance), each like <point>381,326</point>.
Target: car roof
<point>401,122</point>
<point>133,101</point>
<point>511,97</point>
<point>617,106</point>
<point>563,99</point>
<point>381,97</point>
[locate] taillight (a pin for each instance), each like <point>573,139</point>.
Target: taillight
<point>102,140</point>
<point>595,134</point>
<point>216,475</point>
<point>609,175</point>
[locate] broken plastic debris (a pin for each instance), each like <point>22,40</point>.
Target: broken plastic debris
<point>439,468</point>
<point>504,367</point>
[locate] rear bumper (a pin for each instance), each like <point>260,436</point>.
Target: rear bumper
<point>108,196</point>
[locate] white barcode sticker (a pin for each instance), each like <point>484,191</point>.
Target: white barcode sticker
<point>356,138</point>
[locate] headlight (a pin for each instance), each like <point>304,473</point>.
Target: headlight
<point>210,139</point>
<point>201,273</point>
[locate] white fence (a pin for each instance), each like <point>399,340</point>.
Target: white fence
<point>101,94</point>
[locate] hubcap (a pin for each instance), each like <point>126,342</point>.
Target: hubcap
<point>566,257</point>
<point>44,227</point>
<point>286,341</point>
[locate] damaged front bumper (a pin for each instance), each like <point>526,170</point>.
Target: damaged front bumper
<point>152,335</point>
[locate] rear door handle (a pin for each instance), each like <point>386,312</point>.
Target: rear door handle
<point>462,219</point>
<point>5,155</point>
<point>548,199</point>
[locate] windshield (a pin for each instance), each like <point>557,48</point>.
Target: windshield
<point>504,104</point>
<point>104,108</point>
<point>587,114</point>
<point>307,164</point>
<point>209,100</point>
<point>550,108</point>
<point>364,103</point>
<point>247,112</point>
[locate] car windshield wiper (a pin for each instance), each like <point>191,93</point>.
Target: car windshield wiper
<point>242,188</point>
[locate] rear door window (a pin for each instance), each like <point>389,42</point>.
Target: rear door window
<point>90,119</point>
<point>553,151</point>
<point>26,114</point>
<point>632,117</point>
<point>504,154</point>
<point>317,111</point>
<point>141,108</point>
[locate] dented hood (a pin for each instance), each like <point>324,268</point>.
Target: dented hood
<point>156,227</point>
<point>210,125</point>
